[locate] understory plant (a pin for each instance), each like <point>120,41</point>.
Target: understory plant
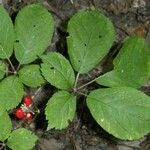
<point>28,38</point>
<point>120,108</point>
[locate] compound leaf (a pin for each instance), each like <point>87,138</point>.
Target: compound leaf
<point>34,28</point>
<point>21,139</point>
<point>91,35</point>
<point>122,111</point>
<point>60,110</point>
<point>11,92</point>
<point>6,34</point>
<point>5,126</point>
<point>57,70</point>
<point>31,76</point>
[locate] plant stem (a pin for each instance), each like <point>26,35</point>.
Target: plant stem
<point>76,81</point>
<point>11,65</point>
<point>82,86</point>
<point>8,71</point>
<point>8,59</point>
<point>82,94</point>
<point>37,91</point>
<point>18,67</point>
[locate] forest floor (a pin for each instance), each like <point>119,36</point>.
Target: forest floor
<point>129,17</point>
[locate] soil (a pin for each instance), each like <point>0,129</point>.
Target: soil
<point>129,17</point>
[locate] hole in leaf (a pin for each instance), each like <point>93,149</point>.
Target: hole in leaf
<point>79,61</point>
<point>99,36</point>
<point>84,44</point>
<point>34,25</point>
<point>52,68</point>
<point>17,41</point>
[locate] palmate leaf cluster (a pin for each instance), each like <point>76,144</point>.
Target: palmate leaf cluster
<point>28,37</point>
<point>121,109</point>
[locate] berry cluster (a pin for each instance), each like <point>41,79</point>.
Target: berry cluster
<point>24,112</point>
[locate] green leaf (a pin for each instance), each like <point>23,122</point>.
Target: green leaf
<point>11,92</point>
<point>57,70</point>
<point>31,76</point>
<point>34,27</point>
<point>21,139</point>
<point>131,66</point>
<point>112,79</point>
<point>5,126</point>
<point>122,111</point>
<point>60,110</point>
<point>6,34</point>
<point>2,69</point>
<point>132,61</point>
<point>91,35</point>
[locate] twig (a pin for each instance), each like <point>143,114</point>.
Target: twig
<point>2,145</point>
<point>130,146</point>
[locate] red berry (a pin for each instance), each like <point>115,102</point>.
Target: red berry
<point>20,113</point>
<point>29,116</point>
<point>27,100</point>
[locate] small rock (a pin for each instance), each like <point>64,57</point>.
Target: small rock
<point>138,3</point>
<point>50,144</point>
<point>124,148</point>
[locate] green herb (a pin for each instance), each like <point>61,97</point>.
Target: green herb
<point>120,108</point>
